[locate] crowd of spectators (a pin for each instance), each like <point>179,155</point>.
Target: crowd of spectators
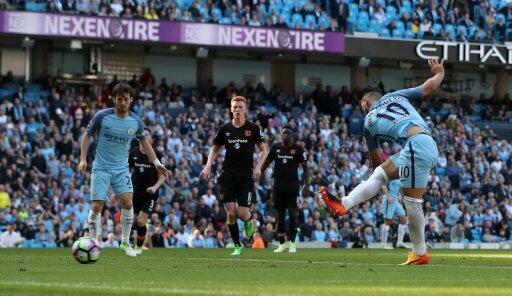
<point>44,202</point>
<point>461,20</point>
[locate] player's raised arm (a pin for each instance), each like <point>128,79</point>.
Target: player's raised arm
<point>433,83</point>
<point>206,173</point>
<point>84,146</point>
<point>152,157</point>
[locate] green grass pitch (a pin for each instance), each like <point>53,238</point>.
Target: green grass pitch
<point>257,272</point>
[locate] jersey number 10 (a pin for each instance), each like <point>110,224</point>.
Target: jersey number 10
<point>393,108</point>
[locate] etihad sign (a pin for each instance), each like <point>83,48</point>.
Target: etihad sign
<point>464,52</point>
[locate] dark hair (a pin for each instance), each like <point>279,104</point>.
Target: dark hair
<point>287,127</point>
<point>122,88</point>
<point>373,93</point>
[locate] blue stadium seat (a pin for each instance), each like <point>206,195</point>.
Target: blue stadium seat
<point>310,19</point>
<point>472,30</point>
<point>225,20</point>
<point>384,32</point>
<point>217,12</point>
<point>391,12</point>
<point>397,33</point>
<point>323,21</point>
<point>363,15</point>
<point>297,18</point>
<point>409,34</point>
<point>436,29</point>
<point>374,26</point>
<point>461,29</point>
<point>362,25</point>
<point>263,8</point>
<point>450,29</point>
<point>400,25</point>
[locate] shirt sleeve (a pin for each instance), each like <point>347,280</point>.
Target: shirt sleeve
<point>302,156</point>
<point>220,140</point>
<point>413,93</point>
<point>94,125</point>
<point>371,142</point>
<point>271,154</point>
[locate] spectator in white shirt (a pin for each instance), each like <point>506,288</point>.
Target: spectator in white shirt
<point>111,242</point>
<point>10,238</point>
<point>209,198</point>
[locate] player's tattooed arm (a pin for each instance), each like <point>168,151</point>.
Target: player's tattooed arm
<point>84,146</point>
<point>433,83</point>
<point>152,157</point>
<point>206,173</point>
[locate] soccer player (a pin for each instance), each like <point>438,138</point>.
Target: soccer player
<point>115,129</point>
<point>237,179</point>
<point>287,157</point>
<point>393,117</point>
<point>146,182</point>
<point>392,207</point>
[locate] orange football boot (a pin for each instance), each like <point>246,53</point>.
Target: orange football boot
<point>413,259</point>
<point>333,202</point>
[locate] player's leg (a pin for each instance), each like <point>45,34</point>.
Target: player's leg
<point>385,233</point>
<point>362,192</point>
<point>294,224</point>
<point>416,160</point>
<point>100,182</point>
<point>141,221</point>
<point>234,231</point>
<point>281,235</point>
<point>244,196</point>
<point>402,230</point>
<point>122,185</point>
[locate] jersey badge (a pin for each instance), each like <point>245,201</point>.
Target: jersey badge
<point>292,151</point>
<point>131,131</point>
<point>237,145</point>
<point>248,133</point>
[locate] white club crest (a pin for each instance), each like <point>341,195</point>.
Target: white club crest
<point>131,131</point>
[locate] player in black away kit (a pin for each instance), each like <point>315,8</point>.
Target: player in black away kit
<point>145,188</point>
<point>287,157</point>
<point>237,179</point>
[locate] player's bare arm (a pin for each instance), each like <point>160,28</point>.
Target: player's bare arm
<point>82,166</point>
<point>263,152</point>
<point>162,171</point>
<point>433,83</point>
<point>375,158</point>
<point>206,173</point>
<point>306,180</point>
<point>158,184</point>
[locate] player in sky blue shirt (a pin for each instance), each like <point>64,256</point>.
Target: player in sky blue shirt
<point>393,117</point>
<point>391,208</point>
<point>114,129</point>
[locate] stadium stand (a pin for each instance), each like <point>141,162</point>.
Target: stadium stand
<point>478,21</point>
<point>469,196</point>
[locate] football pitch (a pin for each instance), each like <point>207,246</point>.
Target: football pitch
<point>257,272</point>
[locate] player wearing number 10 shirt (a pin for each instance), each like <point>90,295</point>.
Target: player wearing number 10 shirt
<point>393,117</point>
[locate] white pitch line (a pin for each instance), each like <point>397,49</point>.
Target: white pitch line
<point>132,289</point>
<point>323,262</point>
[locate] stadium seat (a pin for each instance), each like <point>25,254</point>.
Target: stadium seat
<point>384,32</point>
<point>362,25</point>
<point>409,34</point>
<point>436,29</point>
<point>391,12</point>
<point>225,21</point>
<point>363,16</point>
<point>374,26</point>
<point>397,33</point>
<point>400,25</point>
<point>217,12</point>
<point>310,19</point>
<point>450,29</point>
<point>323,21</point>
<point>296,18</point>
